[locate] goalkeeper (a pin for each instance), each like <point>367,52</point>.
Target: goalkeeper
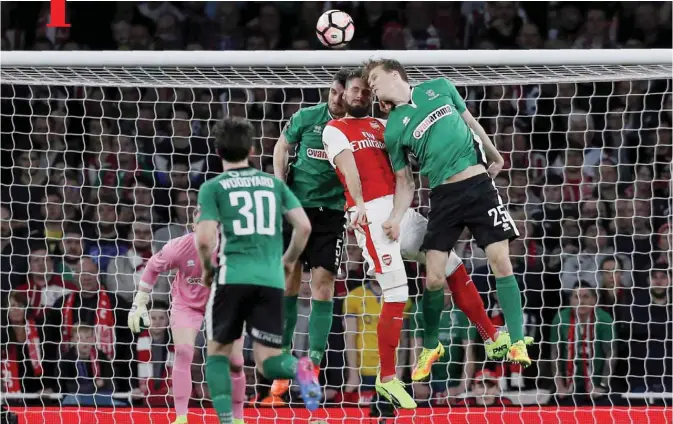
<point>316,185</point>
<point>431,121</point>
<point>188,306</point>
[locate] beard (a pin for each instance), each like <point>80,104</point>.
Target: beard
<point>358,111</point>
<point>659,292</point>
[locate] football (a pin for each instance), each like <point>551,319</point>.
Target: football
<point>335,28</point>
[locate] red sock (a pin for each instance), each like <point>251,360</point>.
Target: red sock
<point>467,299</point>
<point>388,331</point>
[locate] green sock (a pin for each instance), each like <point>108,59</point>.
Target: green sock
<point>509,298</point>
<point>289,321</point>
<point>319,326</point>
<point>433,305</point>
<point>283,366</point>
<point>219,384</point>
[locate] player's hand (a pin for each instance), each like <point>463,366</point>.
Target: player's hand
<point>207,276</point>
<point>385,107</point>
<point>392,229</point>
<point>289,265</point>
<point>495,168</point>
<point>139,311</point>
<point>359,218</point>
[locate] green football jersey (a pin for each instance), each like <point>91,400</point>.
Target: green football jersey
<point>453,332</point>
<point>432,128</point>
<point>249,206</point>
<point>312,178</point>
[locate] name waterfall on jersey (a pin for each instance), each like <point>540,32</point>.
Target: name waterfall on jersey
<point>364,137</point>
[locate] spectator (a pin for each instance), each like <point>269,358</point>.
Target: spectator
<point>613,296</point>
<point>584,265</point>
<point>649,336</point>
<point>183,207</point>
<point>419,33</point>
<point>452,372</point>
<point>106,239</point>
<point>268,22</point>
<point>43,286</point>
<point>13,251</point>
<point>85,372</point>
<point>72,247</point>
<point>583,335</point>
<point>21,350</point>
<point>183,148</point>
<point>485,392</point>
<point>155,358</point>
<point>597,30</point>
<point>123,273</point>
<point>52,226</point>
<point>96,307</point>
<point>529,37</point>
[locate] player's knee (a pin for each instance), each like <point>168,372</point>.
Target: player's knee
<point>184,352</point>
<point>498,258</point>
<point>236,363</point>
<point>322,284</point>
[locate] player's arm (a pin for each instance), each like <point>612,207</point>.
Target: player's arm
<point>280,157</point>
<point>301,225</point>
<point>281,151</point>
<point>404,193</point>
<point>160,262</point>
<point>493,157</point>
<point>206,230</point>
<point>340,153</point>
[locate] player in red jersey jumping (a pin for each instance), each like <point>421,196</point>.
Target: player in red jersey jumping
<point>356,148</point>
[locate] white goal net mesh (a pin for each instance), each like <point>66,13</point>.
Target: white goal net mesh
<point>101,167</point>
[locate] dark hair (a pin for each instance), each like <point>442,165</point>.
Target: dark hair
<point>233,138</point>
<point>342,76</point>
<point>38,244</point>
<point>354,74</point>
<point>158,304</point>
<point>72,227</point>
<point>182,108</point>
<point>615,259</point>
<point>388,65</point>
<point>582,284</point>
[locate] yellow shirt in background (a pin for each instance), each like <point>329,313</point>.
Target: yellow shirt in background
<point>363,304</point>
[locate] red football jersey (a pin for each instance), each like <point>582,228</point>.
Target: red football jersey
<point>364,137</point>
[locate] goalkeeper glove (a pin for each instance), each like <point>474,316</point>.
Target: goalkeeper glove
<point>138,311</point>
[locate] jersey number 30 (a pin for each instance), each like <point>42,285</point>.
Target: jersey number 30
<point>258,210</point>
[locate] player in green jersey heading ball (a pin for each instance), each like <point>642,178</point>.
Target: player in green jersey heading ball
<point>454,152</point>
<point>241,213</point>
<point>315,183</point>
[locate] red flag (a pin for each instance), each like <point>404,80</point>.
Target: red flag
<point>57,12</point>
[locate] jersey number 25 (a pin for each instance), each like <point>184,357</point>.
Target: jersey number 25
<point>258,210</point>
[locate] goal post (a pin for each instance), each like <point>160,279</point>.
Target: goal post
<point>99,137</point>
<point>314,68</point>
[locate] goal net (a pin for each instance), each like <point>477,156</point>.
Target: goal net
<point>103,154</point>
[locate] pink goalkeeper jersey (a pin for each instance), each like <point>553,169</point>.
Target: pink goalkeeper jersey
<point>179,254</point>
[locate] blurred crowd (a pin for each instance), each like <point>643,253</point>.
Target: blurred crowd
<point>96,179</point>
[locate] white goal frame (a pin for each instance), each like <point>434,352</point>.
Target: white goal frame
<point>296,69</point>
<point>308,69</point>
